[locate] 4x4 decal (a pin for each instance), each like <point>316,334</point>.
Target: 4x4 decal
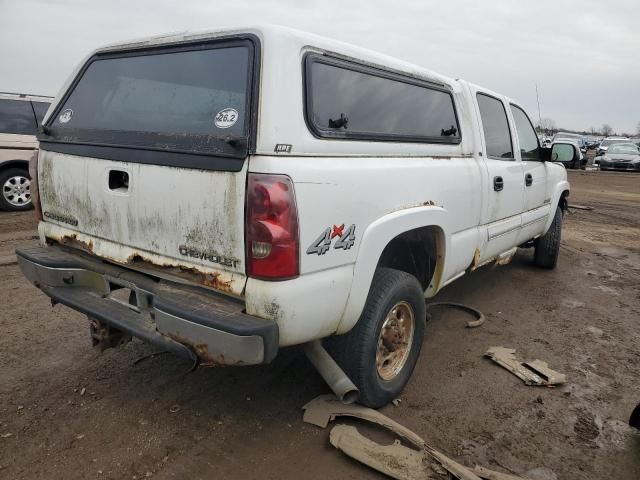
<point>322,244</point>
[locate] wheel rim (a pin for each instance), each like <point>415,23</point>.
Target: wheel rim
<point>394,342</point>
<point>17,190</point>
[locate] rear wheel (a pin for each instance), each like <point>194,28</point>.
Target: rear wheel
<point>381,351</point>
<point>548,245</point>
<point>15,193</point>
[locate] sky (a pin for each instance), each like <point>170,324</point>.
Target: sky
<point>583,55</point>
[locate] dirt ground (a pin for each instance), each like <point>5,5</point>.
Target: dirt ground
<point>70,412</point>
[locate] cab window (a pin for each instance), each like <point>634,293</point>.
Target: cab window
<point>351,101</point>
<point>527,138</point>
<point>496,127</point>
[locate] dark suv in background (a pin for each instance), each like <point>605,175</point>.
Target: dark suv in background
<point>20,117</point>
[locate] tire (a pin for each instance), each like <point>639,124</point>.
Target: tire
<point>15,190</point>
<point>548,245</point>
<point>361,350</point>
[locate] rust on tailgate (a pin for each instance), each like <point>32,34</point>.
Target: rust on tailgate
<point>138,259</point>
<point>190,273</point>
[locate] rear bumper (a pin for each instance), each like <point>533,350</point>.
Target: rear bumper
<point>191,322</point>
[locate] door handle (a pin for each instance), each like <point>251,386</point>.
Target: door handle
<point>498,184</point>
<point>118,180</point>
<point>528,179</point>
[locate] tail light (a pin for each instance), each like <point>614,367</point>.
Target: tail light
<point>33,173</point>
<point>272,240</point>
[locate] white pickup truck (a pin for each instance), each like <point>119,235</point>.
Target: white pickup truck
<point>226,194</point>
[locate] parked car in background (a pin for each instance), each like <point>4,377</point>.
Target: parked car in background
<point>581,140</point>
<point>621,156</point>
<point>607,142</point>
<point>20,117</point>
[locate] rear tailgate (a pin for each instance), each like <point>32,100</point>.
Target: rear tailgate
<point>144,160</point>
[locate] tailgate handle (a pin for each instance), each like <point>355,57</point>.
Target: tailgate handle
<point>118,181</point>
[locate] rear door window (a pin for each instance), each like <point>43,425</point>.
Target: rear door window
<point>347,100</point>
<point>496,127</point>
<point>527,138</point>
<point>16,116</point>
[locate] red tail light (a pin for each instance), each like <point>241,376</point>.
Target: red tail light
<point>33,173</point>
<point>273,246</point>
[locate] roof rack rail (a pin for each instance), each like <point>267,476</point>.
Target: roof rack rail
<point>24,95</point>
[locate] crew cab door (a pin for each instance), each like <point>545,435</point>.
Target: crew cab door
<point>536,198</point>
<point>505,181</point>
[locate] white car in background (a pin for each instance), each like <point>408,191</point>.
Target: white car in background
<point>20,117</point>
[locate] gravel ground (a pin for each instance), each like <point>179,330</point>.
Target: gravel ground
<point>68,411</point>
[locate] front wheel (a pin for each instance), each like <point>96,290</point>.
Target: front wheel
<point>381,351</point>
<point>548,245</point>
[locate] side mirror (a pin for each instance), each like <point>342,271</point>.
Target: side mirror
<point>564,152</point>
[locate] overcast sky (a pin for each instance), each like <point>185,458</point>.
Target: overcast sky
<point>584,55</point>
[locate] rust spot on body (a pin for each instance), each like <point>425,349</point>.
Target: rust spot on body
<point>207,359</point>
<point>476,261</point>
<point>73,240</point>
<point>191,274</point>
<point>504,261</point>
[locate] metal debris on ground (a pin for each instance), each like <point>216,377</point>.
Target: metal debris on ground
<point>532,373</point>
<point>492,475</point>
<point>395,460</point>
<point>406,463</point>
<point>480,318</point>
<point>325,408</point>
<point>580,207</point>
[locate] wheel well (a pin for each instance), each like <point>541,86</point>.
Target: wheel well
<point>564,201</point>
<point>419,252</point>
<point>14,164</point>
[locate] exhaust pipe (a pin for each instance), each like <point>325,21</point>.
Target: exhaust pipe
<point>337,380</point>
